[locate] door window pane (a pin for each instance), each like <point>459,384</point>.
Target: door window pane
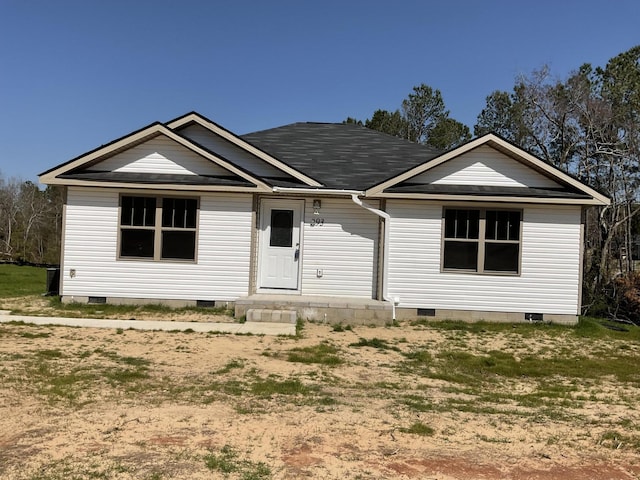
<point>281,228</point>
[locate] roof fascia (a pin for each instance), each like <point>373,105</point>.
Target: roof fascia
<point>216,159</point>
<point>544,167</point>
<point>138,136</point>
<point>505,147</point>
<point>317,191</point>
<point>153,130</point>
<point>213,127</point>
<point>157,186</point>
<point>490,198</point>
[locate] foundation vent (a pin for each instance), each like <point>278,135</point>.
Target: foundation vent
<point>205,303</point>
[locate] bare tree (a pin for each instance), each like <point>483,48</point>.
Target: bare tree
<point>30,222</point>
<point>589,126</point>
<point>9,208</point>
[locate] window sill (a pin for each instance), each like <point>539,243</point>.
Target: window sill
<point>153,260</point>
<point>485,273</point>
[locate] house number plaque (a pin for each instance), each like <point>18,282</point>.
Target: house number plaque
<point>317,222</point>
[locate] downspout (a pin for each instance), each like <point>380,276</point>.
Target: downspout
<point>385,254</point>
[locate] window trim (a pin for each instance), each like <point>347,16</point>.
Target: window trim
<point>481,241</point>
<point>157,228</point>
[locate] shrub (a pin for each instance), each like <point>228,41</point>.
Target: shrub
<point>626,297</point>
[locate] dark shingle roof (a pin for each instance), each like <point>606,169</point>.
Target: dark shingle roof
<point>341,156</point>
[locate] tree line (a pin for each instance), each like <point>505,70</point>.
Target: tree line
<point>30,222</point>
<point>588,125</point>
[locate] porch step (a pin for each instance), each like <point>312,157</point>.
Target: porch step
<point>325,309</point>
<point>275,316</point>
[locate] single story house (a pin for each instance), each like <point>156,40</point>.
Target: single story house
<point>335,221</point>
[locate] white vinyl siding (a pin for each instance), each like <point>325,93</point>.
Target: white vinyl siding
<point>344,247</point>
<point>229,151</point>
<point>90,248</point>
<point>487,167</point>
<point>160,155</point>
<point>549,279</point>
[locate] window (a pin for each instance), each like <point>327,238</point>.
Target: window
<point>281,228</point>
<point>481,240</point>
<point>158,228</point>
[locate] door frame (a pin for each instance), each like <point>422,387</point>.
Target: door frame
<point>265,204</point>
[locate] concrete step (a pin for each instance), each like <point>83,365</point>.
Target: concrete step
<point>326,309</point>
<point>274,316</point>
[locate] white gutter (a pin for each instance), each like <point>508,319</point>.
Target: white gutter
<point>385,254</point>
<point>317,191</point>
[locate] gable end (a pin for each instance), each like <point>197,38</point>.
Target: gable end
<point>490,169</point>
<point>154,156</point>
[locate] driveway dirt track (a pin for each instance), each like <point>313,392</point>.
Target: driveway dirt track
<point>86,403</point>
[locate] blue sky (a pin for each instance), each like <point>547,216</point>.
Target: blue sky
<point>77,74</point>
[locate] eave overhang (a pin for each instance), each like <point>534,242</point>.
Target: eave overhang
<point>488,198</point>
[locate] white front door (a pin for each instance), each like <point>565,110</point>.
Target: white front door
<point>280,243</point>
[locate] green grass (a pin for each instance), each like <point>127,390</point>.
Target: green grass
<point>587,327</point>
<point>233,387</point>
<point>273,386</point>
<point>230,365</point>
<point>228,461</point>
<point>19,281</point>
<point>60,386</point>
<point>35,335</point>
<point>561,369</point>
<point>323,353</point>
<point>463,367</point>
<point>598,328</point>
<point>254,393</point>
<point>615,440</point>
<point>130,311</point>
<point>376,343</point>
<point>49,354</point>
<point>62,378</point>
<point>419,428</point>
<point>338,327</point>
<point>299,328</point>
<point>68,469</point>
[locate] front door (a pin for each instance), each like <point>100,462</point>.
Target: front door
<point>280,243</point>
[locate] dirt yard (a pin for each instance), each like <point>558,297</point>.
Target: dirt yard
<point>410,401</point>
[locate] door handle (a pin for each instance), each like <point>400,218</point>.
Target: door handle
<point>296,254</point>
